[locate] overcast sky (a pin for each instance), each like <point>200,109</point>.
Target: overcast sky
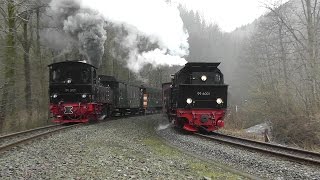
<point>229,14</point>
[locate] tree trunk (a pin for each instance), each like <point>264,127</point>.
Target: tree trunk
<point>26,59</point>
<point>284,68</point>
<point>311,49</point>
<point>9,64</point>
<point>41,73</point>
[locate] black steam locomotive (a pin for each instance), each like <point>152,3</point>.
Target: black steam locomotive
<point>196,99</point>
<point>78,94</point>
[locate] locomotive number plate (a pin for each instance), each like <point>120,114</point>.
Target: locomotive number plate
<point>71,90</point>
<point>203,93</point>
<point>68,110</point>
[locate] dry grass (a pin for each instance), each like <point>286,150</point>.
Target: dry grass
<point>296,130</point>
<point>300,131</point>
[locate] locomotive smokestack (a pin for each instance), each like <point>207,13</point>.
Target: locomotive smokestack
<point>84,25</point>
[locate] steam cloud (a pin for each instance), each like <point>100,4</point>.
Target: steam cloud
<point>163,126</point>
<point>157,20</point>
<point>84,25</point>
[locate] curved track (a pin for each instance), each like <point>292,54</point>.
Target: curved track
<point>293,154</point>
<point>12,140</point>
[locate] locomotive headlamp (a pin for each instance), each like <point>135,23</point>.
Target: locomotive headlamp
<point>84,96</point>
<point>203,78</point>
<point>189,100</point>
<point>69,81</point>
<point>55,95</point>
<point>219,101</point>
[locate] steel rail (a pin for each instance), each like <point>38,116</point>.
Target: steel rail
<point>25,140</point>
<point>27,131</point>
<point>295,150</point>
<point>287,152</point>
<point>28,139</point>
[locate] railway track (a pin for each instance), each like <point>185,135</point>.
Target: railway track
<point>12,140</point>
<point>290,153</point>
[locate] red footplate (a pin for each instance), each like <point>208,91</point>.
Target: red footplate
<point>74,112</point>
<point>207,119</point>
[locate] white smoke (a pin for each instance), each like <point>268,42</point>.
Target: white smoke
<point>155,57</point>
<point>155,19</point>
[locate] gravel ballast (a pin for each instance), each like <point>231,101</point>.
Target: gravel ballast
<point>121,149</point>
<point>255,163</point>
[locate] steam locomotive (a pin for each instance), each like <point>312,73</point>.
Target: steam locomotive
<point>196,99</point>
<point>78,94</point>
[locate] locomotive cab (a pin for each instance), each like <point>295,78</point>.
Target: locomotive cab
<point>201,86</point>
<point>71,82</point>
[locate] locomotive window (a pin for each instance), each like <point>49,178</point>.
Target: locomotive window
<point>78,74</point>
<point>85,75</point>
<point>217,78</point>
<point>94,76</point>
<point>56,74</point>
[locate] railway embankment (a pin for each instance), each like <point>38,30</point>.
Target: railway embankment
<point>122,149</point>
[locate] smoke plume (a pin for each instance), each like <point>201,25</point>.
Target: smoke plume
<point>155,57</point>
<point>158,21</point>
<point>84,25</point>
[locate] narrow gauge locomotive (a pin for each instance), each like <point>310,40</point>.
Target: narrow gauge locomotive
<point>196,99</point>
<point>77,94</point>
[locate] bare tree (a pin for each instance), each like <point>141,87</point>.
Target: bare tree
<point>9,16</point>
<point>304,35</point>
